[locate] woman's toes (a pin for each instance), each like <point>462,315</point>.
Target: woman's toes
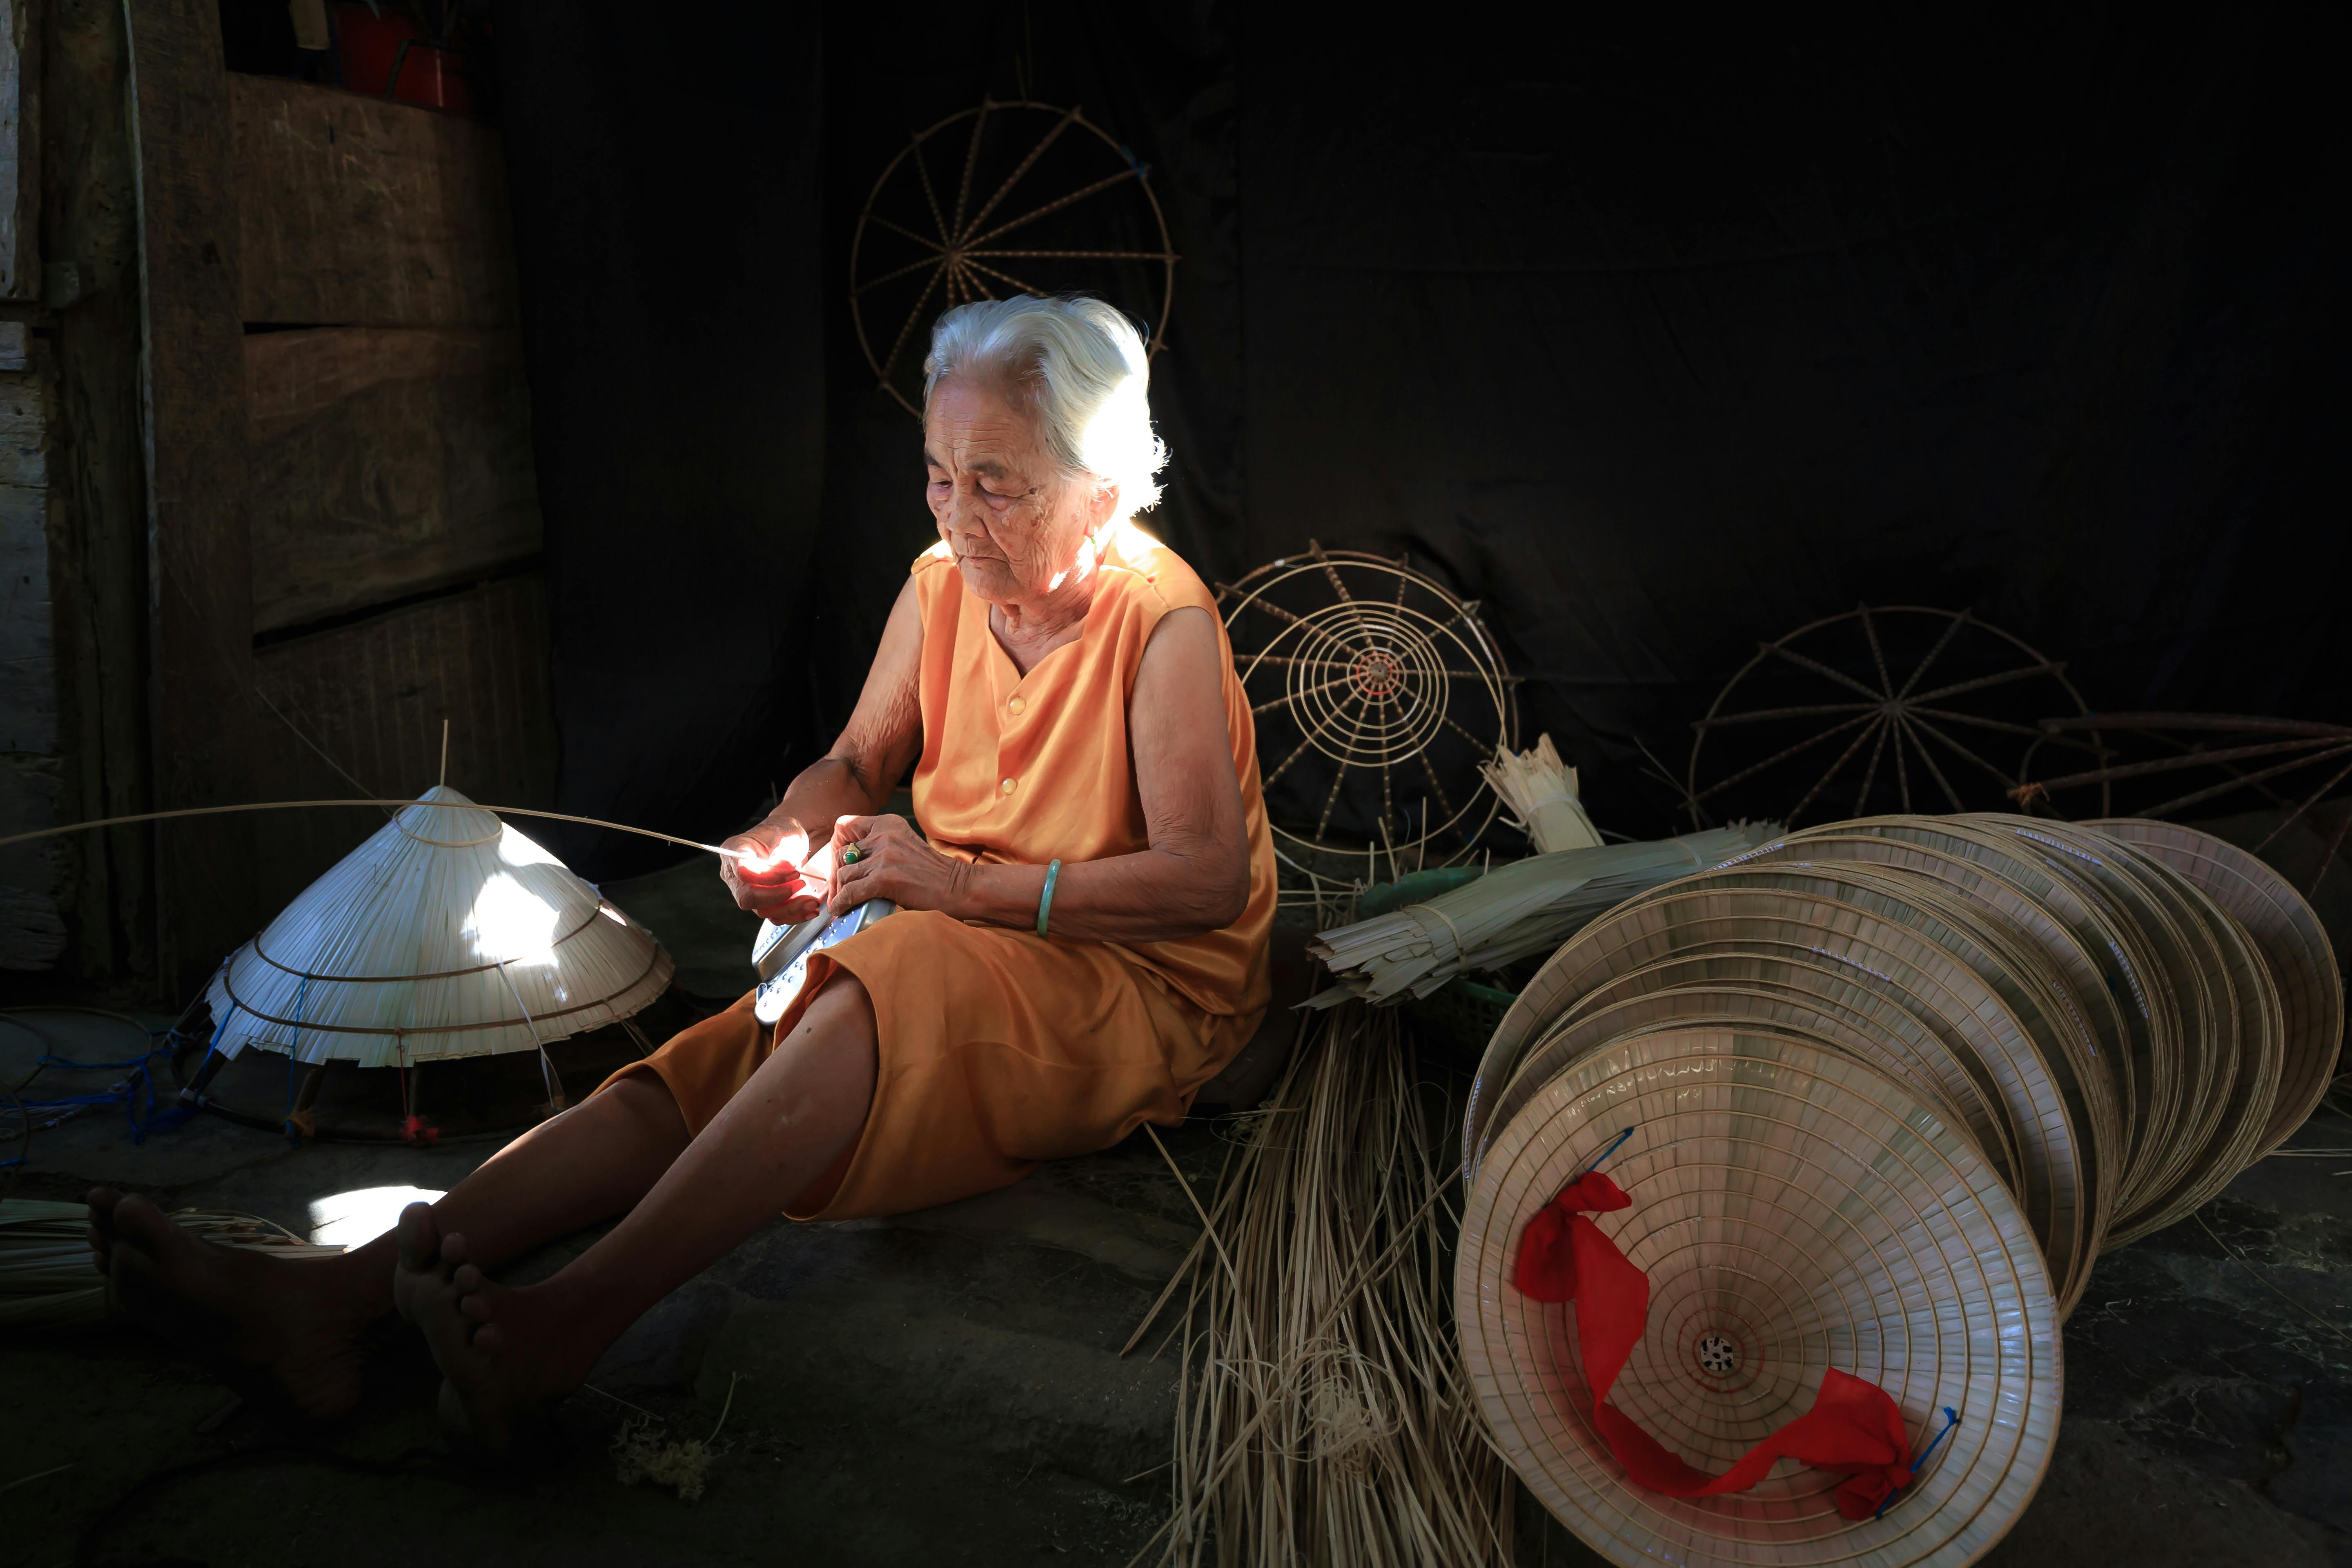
<point>454,1251</point>
<point>420,1241</point>
<point>134,1218</point>
<point>101,1201</point>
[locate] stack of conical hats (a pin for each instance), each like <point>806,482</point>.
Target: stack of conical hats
<point>448,933</point>
<point>1892,1083</point>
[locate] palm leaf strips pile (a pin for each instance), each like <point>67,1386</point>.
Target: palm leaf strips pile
<point>1323,1417</point>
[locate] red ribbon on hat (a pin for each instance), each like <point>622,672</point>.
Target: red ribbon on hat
<point>1854,1429</point>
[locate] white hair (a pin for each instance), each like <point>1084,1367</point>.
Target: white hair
<point>1083,366</point>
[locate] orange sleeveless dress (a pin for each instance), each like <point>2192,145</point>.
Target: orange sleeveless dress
<point>1000,1047</point>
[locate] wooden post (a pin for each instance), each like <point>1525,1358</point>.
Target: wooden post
<point>199,486</point>
<point>98,550</point>
<point>20,150</point>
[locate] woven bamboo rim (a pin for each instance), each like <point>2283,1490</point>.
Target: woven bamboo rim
<point>1803,1202</point>
<point>2180,968</point>
<point>2005,904</point>
<point>1717,1006</point>
<point>2291,942</point>
<point>1890,1037</point>
<point>1985,1051</point>
<point>2019,976</point>
<point>2255,1026</point>
<point>2126,963</point>
<point>654,960</point>
<point>1897,1019</point>
<point>1988,1049</point>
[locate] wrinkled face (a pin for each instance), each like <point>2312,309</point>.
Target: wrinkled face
<point>1014,525</point>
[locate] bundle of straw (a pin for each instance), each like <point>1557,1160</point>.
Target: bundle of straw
<point>1323,1416</point>
<point>1540,790</point>
<point>1529,906</point>
<point>46,1279</point>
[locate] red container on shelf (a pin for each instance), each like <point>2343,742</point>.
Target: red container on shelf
<point>372,48</point>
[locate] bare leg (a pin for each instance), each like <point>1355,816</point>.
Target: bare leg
<point>293,1328</point>
<point>506,1351</point>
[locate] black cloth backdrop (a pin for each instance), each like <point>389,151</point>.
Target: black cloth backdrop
<point>1658,343</point>
<point>665,181</point>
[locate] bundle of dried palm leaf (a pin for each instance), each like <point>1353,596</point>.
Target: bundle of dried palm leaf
<point>1529,906</point>
<point>46,1279</point>
<point>1541,791</point>
<point>1323,1417</point>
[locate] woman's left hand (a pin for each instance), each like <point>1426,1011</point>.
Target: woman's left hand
<point>894,862</point>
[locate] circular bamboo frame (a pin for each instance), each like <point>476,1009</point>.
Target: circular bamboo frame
<point>1874,711</point>
<point>1367,683</point>
<point>962,265</point>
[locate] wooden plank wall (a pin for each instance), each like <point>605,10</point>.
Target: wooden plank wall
<point>357,212</point>
<point>298,383</point>
<point>385,462</point>
<point>389,428</point>
<point>32,926</point>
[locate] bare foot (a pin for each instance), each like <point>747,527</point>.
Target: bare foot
<point>504,1354</point>
<point>288,1330</point>
<point>101,1201</point>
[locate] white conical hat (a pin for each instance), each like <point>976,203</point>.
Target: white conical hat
<point>448,933</point>
<point>1795,1210</point>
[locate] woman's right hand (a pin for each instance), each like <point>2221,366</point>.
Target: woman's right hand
<point>766,873</point>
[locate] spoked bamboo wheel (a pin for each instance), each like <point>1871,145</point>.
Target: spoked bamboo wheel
<point>1007,198</point>
<point>1901,709</point>
<point>1377,693</point>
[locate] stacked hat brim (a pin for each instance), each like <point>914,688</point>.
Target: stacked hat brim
<point>447,933</point>
<point>2293,947</point>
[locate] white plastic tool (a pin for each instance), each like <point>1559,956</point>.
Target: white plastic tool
<point>780,954</point>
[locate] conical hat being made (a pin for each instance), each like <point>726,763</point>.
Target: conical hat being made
<point>447,933</point>
<point>2291,943</point>
<point>1796,1212</point>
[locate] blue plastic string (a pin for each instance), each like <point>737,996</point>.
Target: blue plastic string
<point>1614,1142</point>
<point>1951,1419</point>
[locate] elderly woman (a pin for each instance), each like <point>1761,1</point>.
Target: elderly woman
<point>1081,941</point>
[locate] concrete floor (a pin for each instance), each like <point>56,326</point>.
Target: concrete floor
<point>944,1387</point>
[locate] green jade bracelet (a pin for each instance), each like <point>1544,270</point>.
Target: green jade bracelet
<point>1045,902</point>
